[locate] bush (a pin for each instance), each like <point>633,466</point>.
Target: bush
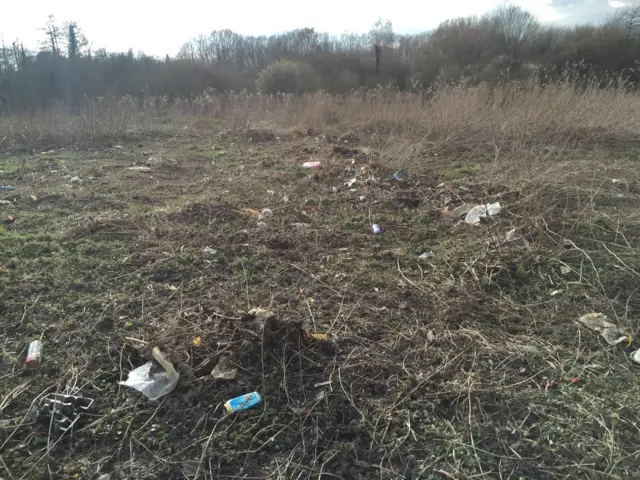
<point>286,76</point>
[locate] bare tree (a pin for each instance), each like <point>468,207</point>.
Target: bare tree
<point>52,36</point>
<point>516,26</point>
<point>381,33</point>
<point>628,20</point>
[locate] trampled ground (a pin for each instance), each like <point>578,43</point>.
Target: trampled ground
<point>465,364</point>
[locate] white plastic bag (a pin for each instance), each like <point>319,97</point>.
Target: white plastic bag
<point>153,385</point>
<point>481,211</point>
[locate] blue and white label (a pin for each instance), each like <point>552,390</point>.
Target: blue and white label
<point>243,402</point>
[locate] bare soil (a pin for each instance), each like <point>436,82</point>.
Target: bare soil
<point>466,364</point>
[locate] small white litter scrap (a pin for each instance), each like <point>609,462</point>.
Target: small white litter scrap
<point>599,322</point>
<point>481,211</point>
<point>153,385</point>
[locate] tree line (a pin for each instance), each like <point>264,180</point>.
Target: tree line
<point>508,43</point>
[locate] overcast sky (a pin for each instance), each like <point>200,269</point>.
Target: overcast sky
<point>160,28</point>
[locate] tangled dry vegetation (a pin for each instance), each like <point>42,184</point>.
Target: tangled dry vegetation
<point>466,363</point>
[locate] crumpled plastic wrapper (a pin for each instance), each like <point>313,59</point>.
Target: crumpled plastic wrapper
<point>153,385</point>
<point>482,211</point>
<point>609,331</point>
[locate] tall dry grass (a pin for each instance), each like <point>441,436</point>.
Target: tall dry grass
<point>513,115</point>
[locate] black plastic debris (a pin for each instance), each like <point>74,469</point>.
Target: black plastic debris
<point>59,412</point>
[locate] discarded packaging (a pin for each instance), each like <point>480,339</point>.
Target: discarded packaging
<point>59,412</point>
<point>322,337</point>
<point>601,324</point>
<point>426,255</point>
<point>243,402</point>
<point>251,212</point>
<point>399,176</point>
<point>375,228</point>
<point>34,355</point>
<point>351,182</point>
<point>209,251</point>
<point>151,384</point>
<point>265,213</point>
<point>311,165</point>
<point>5,202</point>
<point>141,169</point>
<point>222,371</point>
<point>635,356</point>
<point>75,179</point>
<point>258,316</point>
<point>458,211</point>
<point>481,211</point>
<point>511,238</point>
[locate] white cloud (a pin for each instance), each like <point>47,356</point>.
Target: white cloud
<point>618,4</point>
<point>160,28</point>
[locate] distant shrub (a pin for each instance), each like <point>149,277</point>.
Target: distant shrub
<point>286,76</point>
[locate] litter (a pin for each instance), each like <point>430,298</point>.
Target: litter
<point>555,293</point>
<point>426,255</point>
<point>635,356</point>
<point>6,188</point>
<point>599,322</point>
<point>5,202</point>
<point>375,228</point>
<point>34,355</point>
<point>59,412</point>
<point>222,371</point>
<point>311,165</point>
<point>351,182</point>
<point>458,211</point>
<point>322,384</point>
<point>251,212</point>
<point>301,225</point>
<point>564,269</point>
<point>151,384</point>
<point>141,169</point>
<point>153,162</point>
<point>209,251</point>
<point>512,239</point>
<point>265,213</point>
<point>243,402</point>
<point>75,179</point>
<point>322,337</point>
<point>398,176</point>
<point>481,211</point>
<point>117,146</point>
<point>258,316</point>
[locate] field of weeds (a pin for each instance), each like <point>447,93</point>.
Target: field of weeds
<point>452,350</point>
